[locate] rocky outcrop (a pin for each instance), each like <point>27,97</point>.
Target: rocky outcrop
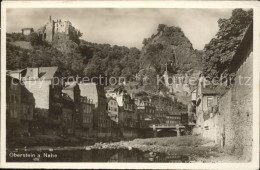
<point>169,46</point>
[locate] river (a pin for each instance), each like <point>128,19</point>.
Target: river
<point>94,155</point>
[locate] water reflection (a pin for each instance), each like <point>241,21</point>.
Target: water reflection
<point>95,155</point>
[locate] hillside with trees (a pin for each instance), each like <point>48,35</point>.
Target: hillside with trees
<point>83,59</point>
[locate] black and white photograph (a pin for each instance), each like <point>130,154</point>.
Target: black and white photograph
<point>136,83</point>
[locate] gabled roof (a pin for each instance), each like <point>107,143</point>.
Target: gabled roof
<point>110,98</point>
<point>14,71</point>
<point>89,89</point>
<point>46,73</point>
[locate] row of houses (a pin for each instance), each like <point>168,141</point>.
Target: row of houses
<point>39,101</point>
<point>224,114</point>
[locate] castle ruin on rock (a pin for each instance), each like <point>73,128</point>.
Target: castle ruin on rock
<point>54,29</point>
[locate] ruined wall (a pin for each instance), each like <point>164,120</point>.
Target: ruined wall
<point>49,31</point>
<point>236,107</point>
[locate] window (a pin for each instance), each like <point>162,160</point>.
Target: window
<point>210,101</point>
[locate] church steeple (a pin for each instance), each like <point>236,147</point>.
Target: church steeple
<point>165,75</point>
<point>166,69</point>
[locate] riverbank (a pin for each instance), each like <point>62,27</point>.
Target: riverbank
<point>197,148</point>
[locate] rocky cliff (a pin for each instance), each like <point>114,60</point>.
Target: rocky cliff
<point>169,46</point>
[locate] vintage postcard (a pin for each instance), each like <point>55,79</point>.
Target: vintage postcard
<point>130,84</point>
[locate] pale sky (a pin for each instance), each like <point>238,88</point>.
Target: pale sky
<point>124,27</point>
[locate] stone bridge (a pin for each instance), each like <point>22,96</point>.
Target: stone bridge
<point>158,127</point>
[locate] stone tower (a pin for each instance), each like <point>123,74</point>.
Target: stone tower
<point>49,31</point>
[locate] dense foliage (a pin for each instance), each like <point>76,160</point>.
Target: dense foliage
<point>109,60</point>
<point>220,50</point>
<point>85,59</point>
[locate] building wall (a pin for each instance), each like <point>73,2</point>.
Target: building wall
<point>113,110</point>
<point>40,90</point>
<point>87,118</point>
<point>20,108</point>
<point>113,107</point>
<point>129,133</point>
<point>27,32</point>
<point>67,120</point>
<point>173,119</point>
<point>62,26</point>
<point>238,118</point>
<point>231,127</point>
<point>90,92</point>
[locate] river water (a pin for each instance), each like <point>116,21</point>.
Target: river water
<point>94,155</point>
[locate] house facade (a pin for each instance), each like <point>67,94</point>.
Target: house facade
<point>67,127</point>
<point>96,93</point>
<point>112,107</point>
<point>127,117</point>
<point>86,117</point>
<point>146,109</point>
<point>20,107</point>
<point>173,119</point>
<point>45,84</point>
<point>160,115</point>
<point>206,108</point>
<point>73,91</point>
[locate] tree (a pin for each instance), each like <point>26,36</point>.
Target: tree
<point>220,50</point>
<point>161,27</point>
<point>35,39</point>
